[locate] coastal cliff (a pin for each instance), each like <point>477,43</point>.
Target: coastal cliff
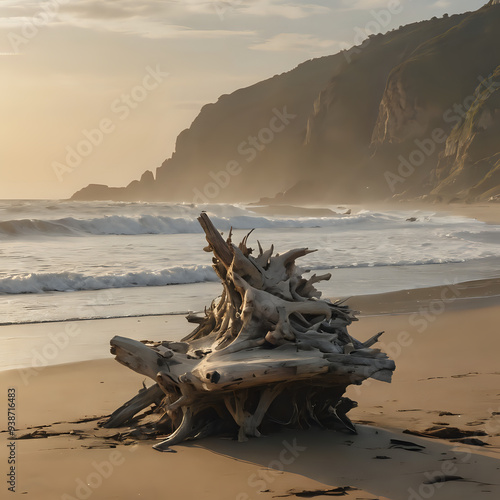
<point>413,113</point>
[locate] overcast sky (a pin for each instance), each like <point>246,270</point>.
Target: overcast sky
<point>140,70</point>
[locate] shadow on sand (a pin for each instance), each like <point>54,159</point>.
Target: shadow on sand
<point>372,461</point>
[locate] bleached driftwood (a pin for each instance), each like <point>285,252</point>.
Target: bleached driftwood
<point>268,351</point>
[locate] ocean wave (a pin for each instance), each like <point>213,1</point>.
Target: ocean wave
<point>72,282</point>
<point>156,224</point>
<point>187,223</point>
<point>110,225</point>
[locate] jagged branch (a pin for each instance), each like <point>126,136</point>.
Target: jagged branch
<point>269,351</point>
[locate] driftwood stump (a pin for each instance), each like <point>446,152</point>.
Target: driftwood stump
<point>268,352</point>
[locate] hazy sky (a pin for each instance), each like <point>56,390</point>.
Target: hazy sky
<point>140,70</point>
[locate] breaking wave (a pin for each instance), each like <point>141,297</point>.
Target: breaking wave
<point>157,224</point>
<point>72,282</point>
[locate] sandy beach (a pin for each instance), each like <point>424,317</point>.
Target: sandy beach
<point>250,250</point>
<point>447,377</point>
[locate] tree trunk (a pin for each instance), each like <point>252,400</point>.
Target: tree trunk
<point>269,351</point>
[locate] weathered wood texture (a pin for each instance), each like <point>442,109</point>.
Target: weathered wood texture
<point>268,351</point>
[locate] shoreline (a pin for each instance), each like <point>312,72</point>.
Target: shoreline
<point>463,295</point>
<point>400,300</point>
<point>66,341</point>
<point>482,211</point>
<point>41,344</point>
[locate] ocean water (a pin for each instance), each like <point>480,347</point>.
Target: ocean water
<point>66,260</point>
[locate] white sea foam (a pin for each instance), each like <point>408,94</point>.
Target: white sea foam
<point>224,218</point>
<point>49,246</point>
<point>70,282</point>
<point>155,224</point>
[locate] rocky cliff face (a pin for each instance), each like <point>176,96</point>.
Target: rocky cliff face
<point>244,143</point>
<point>469,166</point>
<point>412,113</point>
<point>432,107</point>
<point>363,114</point>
